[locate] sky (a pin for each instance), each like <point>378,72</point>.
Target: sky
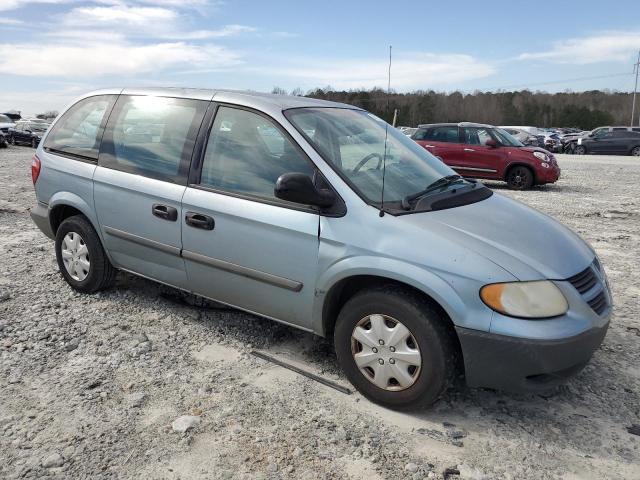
<point>55,50</point>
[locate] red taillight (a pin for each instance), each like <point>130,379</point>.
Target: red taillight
<point>35,168</point>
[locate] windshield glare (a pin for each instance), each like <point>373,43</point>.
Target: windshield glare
<point>353,141</point>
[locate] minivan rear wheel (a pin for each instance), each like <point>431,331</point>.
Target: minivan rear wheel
<point>519,178</point>
<point>580,150</point>
<point>395,347</point>
<point>635,151</point>
<point>81,258</point>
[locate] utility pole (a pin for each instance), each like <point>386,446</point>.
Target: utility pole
<point>636,69</point>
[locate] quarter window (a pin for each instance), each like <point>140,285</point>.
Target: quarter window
<point>246,153</point>
<point>152,136</point>
<point>78,132</point>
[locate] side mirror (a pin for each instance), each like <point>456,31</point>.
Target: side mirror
<point>491,143</point>
<point>299,188</point>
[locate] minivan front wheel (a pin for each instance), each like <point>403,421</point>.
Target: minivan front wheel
<point>81,258</point>
<point>519,178</point>
<point>394,347</point>
<point>635,151</point>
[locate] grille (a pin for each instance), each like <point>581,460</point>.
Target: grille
<point>584,281</point>
<point>598,303</point>
<point>587,280</point>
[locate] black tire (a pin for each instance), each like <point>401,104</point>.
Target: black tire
<point>519,178</point>
<point>101,273</point>
<point>12,140</point>
<point>431,332</point>
<point>580,150</point>
<point>635,151</point>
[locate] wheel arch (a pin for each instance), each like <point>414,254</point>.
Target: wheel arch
<point>517,163</point>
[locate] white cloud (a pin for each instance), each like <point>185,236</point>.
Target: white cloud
<point>607,46</point>
<point>116,58</point>
<point>119,16</point>
<point>14,4</point>
<point>10,21</point>
<point>226,31</point>
<point>417,71</point>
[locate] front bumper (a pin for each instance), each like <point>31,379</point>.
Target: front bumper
<point>40,216</point>
<point>525,365</point>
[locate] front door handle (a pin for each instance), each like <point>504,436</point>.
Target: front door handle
<point>469,150</point>
<point>164,212</point>
<point>198,220</point>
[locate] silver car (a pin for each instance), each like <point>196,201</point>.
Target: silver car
<point>321,216</point>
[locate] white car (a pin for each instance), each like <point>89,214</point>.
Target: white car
<point>5,124</point>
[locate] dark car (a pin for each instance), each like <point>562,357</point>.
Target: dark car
<point>484,151</point>
<point>614,142</point>
<point>27,133</point>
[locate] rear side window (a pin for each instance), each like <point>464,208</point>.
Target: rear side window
<point>79,131</point>
<point>246,153</point>
<point>448,134</point>
<point>152,136</point>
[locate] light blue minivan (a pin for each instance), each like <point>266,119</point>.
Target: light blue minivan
<point>321,216</point>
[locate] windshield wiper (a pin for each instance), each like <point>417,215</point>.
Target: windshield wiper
<point>440,183</point>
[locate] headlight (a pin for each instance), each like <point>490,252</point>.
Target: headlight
<point>540,299</point>
<point>540,156</point>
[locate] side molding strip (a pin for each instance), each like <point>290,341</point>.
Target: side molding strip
<point>145,242</point>
<point>281,282</point>
<point>456,167</point>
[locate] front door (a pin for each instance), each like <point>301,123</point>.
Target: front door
<point>140,180</point>
<point>241,245</point>
<point>479,160</point>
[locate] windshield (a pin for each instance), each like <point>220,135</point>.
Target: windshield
<point>353,142</point>
<point>507,139</point>
<point>5,119</point>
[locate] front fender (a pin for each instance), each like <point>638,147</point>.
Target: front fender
<point>438,285</point>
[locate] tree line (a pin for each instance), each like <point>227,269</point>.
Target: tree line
<point>585,110</point>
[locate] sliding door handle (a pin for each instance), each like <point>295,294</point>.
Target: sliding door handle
<point>198,220</point>
<point>164,212</point>
<point>469,150</point>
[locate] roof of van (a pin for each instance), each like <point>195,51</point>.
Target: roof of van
<point>242,97</point>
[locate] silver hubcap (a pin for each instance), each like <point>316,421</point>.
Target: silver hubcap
<point>386,352</point>
<point>75,256</point>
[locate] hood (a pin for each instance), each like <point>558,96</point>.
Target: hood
<point>528,244</point>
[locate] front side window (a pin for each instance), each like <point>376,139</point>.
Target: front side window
<point>78,132</point>
<point>246,153</point>
<point>152,136</point>
<point>353,142</point>
<point>476,135</point>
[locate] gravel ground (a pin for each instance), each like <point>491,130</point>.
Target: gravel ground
<point>143,382</point>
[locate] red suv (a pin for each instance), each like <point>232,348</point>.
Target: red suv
<point>484,151</point>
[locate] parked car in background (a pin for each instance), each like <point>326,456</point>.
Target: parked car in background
<point>535,131</point>
<point>615,129</point>
<point>6,123</point>
<point>417,274</point>
<point>484,151</point>
<point>13,115</point>
<point>528,139</point>
<point>27,133</point>
<point>608,142</point>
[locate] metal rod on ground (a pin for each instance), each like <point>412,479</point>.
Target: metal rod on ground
<point>310,375</point>
<point>636,69</point>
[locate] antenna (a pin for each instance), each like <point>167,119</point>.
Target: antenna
<point>386,133</point>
